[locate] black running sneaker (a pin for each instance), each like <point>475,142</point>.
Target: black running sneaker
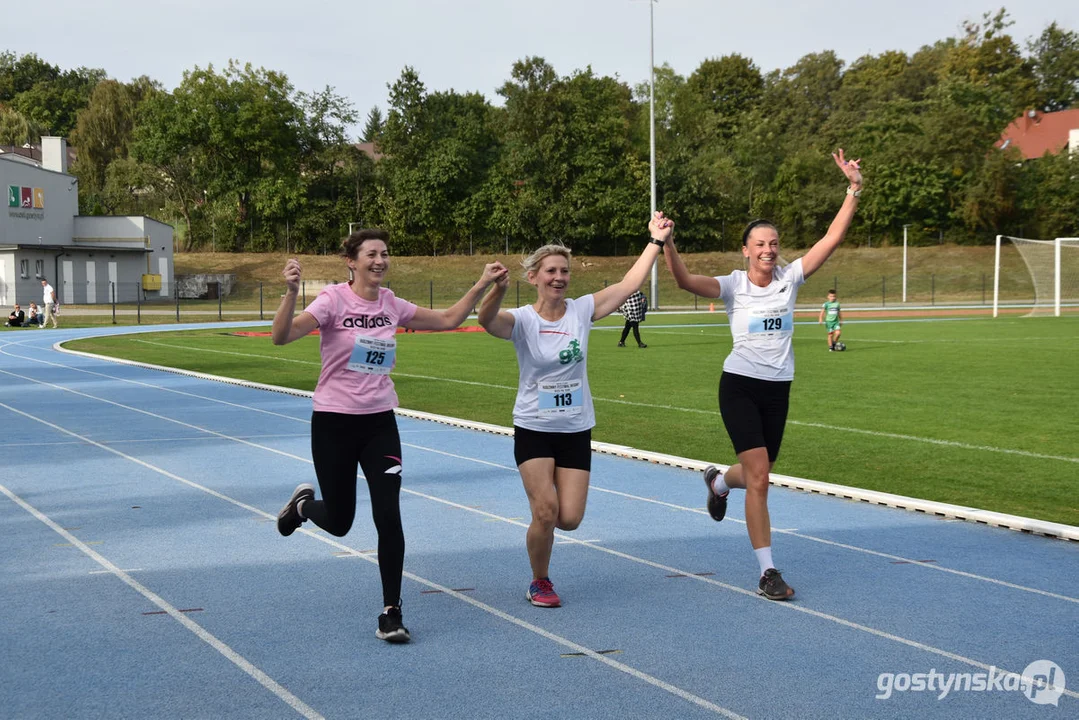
<point>772,586</point>
<point>390,628</point>
<point>717,504</point>
<point>289,518</point>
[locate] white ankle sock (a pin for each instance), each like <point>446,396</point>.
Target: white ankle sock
<point>719,485</point>
<point>299,508</point>
<point>764,557</point>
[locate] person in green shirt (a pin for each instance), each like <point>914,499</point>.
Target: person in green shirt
<point>832,316</point>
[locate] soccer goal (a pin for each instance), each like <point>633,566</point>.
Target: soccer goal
<point>1054,271</point>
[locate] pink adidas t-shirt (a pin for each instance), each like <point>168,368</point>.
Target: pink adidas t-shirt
<point>359,348</point>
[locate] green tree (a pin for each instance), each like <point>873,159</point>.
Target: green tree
<point>334,176</point>
<point>438,150</point>
<point>102,135</point>
<point>15,129</point>
<point>569,169</point>
<point>54,104</point>
<point>19,74</point>
<point>1055,60</point>
<point>171,138</point>
<point>372,128</point>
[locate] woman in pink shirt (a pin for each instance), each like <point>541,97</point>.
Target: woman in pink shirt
<point>353,421</point>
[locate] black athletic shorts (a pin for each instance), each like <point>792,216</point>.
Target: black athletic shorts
<point>569,450</point>
<point>754,412</point>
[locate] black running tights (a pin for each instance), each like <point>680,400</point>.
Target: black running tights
<point>339,443</point>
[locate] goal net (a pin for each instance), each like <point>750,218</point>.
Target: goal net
<point>1053,267</point>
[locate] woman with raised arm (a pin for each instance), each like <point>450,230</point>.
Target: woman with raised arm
<point>353,421</point>
<point>755,386</point>
<point>553,415</point>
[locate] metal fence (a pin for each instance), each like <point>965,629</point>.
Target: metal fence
<point>125,303</point>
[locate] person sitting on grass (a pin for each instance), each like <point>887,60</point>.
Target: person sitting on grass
<point>16,318</point>
<point>35,316</point>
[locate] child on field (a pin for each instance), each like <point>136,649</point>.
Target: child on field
<point>832,317</point>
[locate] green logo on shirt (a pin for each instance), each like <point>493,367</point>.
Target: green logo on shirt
<point>571,354</point>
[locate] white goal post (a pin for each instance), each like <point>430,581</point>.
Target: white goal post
<point>1055,275</point>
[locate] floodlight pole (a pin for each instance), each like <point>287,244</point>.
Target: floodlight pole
<point>905,262</point>
<point>654,283</point>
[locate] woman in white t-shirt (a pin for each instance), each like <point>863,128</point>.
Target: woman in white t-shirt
<point>353,422</point>
<point>754,389</point>
<point>553,415</point>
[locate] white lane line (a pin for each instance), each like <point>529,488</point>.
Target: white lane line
<point>466,458</point>
<point>673,408</point>
<point>734,588</point>
<point>265,679</point>
<point>231,655</point>
<point>632,558</point>
<point>792,532</point>
<point>948,443</point>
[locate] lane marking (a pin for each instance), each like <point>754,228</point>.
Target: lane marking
<point>673,506</point>
<point>786,606</point>
<point>933,565</point>
<point>264,679</point>
<point>202,634</point>
<point>656,406</point>
<point>793,607</point>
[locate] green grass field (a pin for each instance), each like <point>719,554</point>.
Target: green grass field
<point>974,412</point>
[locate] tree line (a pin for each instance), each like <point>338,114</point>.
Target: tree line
<point>240,160</point>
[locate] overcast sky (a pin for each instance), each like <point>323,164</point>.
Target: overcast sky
<point>470,45</point>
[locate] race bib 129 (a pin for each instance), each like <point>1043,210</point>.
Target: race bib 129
<point>774,320</point>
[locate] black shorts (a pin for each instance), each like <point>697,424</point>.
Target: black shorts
<point>569,450</point>
<point>754,412</point>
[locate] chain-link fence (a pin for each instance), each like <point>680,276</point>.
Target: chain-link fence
<point>128,303</point>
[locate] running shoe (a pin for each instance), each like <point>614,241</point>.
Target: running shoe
<point>772,586</point>
<point>390,627</point>
<point>289,518</point>
<point>541,594</point>
<point>717,504</point>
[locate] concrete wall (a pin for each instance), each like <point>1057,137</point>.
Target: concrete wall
<point>54,222</point>
<point>132,232</point>
<point>86,253</point>
<point>196,287</point>
<point>7,280</point>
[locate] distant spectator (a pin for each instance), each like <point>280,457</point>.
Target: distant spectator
<point>48,299</point>
<point>633,309</point>
<point>35,316</point>
<point>17,317</point>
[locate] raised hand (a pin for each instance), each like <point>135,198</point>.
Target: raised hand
<point>293,273</point>
<point>495,272</point>
<point>850,169</point>
<point>660,226</point>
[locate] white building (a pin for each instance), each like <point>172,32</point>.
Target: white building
<point>85,258</point>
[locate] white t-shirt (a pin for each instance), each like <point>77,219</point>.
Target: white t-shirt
<point>47,294</point>
<point>552,390</point>
<point>762,322</point>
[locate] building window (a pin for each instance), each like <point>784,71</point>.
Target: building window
<point>39,268</point>
<point>24,268</point>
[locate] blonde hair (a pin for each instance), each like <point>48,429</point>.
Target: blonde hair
<point>532,263</point>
